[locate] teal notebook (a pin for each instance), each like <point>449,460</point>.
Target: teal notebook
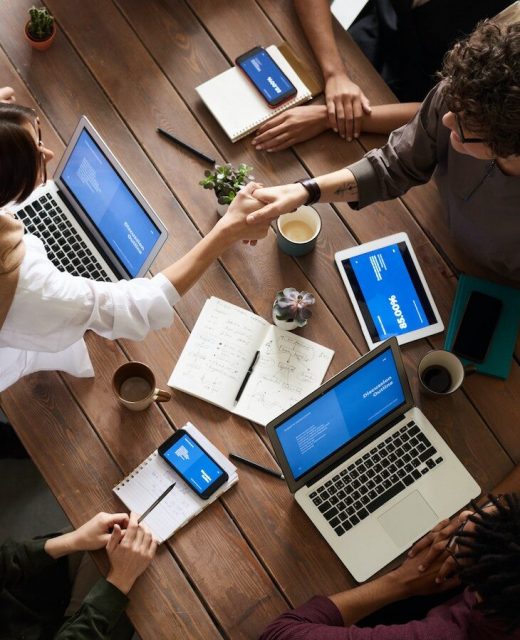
<point>500,353</point>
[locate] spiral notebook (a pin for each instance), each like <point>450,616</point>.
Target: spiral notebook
<point>238,107</point>
<point>153,476</point>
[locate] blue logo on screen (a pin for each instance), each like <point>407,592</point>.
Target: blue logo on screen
<point>195,466</point>
<point>390,295</point>
<point>266,75</point>
<point>342,413</point>
<point>111,206</point>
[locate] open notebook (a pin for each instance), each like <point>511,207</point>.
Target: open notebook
<point>152,477</point>
<point>236,104</point>
<point>220,350</point>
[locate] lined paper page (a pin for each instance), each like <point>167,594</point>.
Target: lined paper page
<point>218,352</point>
<point>289,368</point>
<point>150,479</point>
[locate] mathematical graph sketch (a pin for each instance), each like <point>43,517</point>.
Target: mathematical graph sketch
<point>220,350</point>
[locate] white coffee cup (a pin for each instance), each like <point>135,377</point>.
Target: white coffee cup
<point>297,232</point>
<point>441,373</point>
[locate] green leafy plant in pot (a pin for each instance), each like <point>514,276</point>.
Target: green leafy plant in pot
<point>291,308</point>
<point>40,30</point>
<point>226,181</point>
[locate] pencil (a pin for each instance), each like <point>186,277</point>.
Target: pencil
<point>163,495</point>
<point>185,145</point>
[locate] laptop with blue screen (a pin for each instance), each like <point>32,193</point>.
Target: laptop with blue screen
<point>92,219</point>
<point>366,465</point>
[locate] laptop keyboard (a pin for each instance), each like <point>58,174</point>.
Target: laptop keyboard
<point>372,480</point>
<point>65,248</point>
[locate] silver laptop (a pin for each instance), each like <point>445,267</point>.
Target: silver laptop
<point>366,465</point>
<point>92,219</point>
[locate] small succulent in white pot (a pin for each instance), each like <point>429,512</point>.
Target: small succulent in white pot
<point>291,308</point>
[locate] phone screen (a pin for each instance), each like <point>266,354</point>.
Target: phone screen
<point>193,464</point>
<point>266,75</point>
<point>477,326</point>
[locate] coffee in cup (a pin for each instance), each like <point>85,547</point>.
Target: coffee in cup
<point>297,232</point>
<point>134,386</point>
<point>441,372</point>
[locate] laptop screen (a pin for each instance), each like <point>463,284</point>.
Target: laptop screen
<point>343,412</point>
<point>108,202</point>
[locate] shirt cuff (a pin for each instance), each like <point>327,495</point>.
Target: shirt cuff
<point>167,288</point>
<point>321,610</point>
<point>107,599</point>
<point>38,557</point>
<point>367,183</point>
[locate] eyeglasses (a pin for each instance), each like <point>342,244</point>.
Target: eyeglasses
<point>461,134</point>
<point>43,164</point>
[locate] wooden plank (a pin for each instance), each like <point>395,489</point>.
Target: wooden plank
<point>81,474</point>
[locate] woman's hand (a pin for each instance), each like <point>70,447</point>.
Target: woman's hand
<point>130,553</point>
<point>277,200</point>
<point>345,105</point>
<point>95,533</point>
<point>291,127</point>
<point>235,221</point>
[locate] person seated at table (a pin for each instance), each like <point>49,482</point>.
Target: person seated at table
<point>38,597</point>
<point>466,135</point>
<point>44,313</point>
<point>305,122</point>
<point>405,41</point>
<point>478,550</point>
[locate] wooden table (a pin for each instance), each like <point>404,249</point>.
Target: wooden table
<point>131,66</point>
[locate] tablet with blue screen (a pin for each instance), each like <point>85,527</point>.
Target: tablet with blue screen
<point>388,290</point>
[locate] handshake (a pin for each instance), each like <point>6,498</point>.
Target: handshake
<point>255,206</point>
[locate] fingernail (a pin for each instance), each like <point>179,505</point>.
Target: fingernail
<point>410,554</point>
<point>269,150</point>
<point>349,139</point>
<point>335,130</point>
<point>421,567</point>
<point>259,147</point>
<point>356,135</point>
<point>438,580</point>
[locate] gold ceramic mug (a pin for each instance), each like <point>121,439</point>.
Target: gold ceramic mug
<point>134,386</point>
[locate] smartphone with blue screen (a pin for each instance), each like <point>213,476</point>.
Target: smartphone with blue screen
<point>193,464</point>
<point>267,77</point>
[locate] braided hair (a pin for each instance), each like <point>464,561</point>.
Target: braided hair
<point>490,557</point>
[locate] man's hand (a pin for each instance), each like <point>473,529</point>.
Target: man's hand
<point>277,200</point>
<point>345,105</point>
<point>130,553</point>
<point>432,549</point>
<point>291,127</point>
<point>413,581</point>
<point>235,222</point>
<point>7,94</point>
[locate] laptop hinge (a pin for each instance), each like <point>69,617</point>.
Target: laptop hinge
<point>355,449</point>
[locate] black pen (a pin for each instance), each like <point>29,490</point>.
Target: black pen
<point>185,145</point>
<point>257,465</point>
<point>248,375</point>
<point>161,497</point>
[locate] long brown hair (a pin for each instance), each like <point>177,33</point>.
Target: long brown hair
<point>19,154</point>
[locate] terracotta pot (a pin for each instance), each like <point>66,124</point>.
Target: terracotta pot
<point>40,45</point>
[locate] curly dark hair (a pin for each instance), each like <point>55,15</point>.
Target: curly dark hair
<point>482,80</point>
<point>19,155</point>
<point>492,552</point>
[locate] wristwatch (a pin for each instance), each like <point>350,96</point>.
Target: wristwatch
<point>312,188</point>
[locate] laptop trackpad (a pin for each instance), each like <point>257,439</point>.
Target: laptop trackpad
<point>408,519</point>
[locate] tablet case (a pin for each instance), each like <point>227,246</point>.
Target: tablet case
<point>500,353</point>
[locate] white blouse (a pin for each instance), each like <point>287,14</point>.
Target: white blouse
<point>51,311</point>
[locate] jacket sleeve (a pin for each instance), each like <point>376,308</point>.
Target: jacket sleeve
<point>20,561</point>
<point>408,159</point>
<point>97,616</point>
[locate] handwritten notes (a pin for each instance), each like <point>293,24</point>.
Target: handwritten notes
<point>220,350</point>
<point>153,476</point>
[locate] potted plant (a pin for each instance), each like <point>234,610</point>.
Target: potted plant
<point>226,181</point>
<point>40,30</point>
<point>291,308</point>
